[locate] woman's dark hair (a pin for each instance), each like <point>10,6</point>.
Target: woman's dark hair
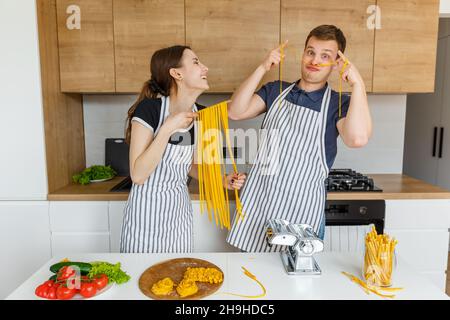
<point>160,82</point>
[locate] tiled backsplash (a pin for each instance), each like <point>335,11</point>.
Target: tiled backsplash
<point>104,117</point>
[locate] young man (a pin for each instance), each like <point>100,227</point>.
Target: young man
<point>306,120</point>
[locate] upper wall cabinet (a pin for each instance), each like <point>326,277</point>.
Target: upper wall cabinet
<point>140,28</point>
<point>106,45</point>
<point>405,46</point>
<point>232,38</point>
<point>86,45</point>
<point>298,18</point>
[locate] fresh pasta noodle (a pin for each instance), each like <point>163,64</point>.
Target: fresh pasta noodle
<point>341,72</point>
<point>212,121</point>
<point>378,265</point>
<point>378,258</point>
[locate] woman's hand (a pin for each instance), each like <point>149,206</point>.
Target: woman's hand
<point>179,120</point>
<point>234,181</point>
<point>274,57</point>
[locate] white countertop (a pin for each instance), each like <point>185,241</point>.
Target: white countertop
<point>267,267</point>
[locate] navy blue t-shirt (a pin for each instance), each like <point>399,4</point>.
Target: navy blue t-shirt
<point>311,100</point>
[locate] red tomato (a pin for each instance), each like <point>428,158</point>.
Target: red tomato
<point>42,290</point>
<point>49,283</point>
<point>65,273</point>
<point>52,293</point>
<point>100,281</point>
<point>64,293</point>
<point>88,289</point>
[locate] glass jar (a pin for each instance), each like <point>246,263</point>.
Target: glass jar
<point>379,270</point>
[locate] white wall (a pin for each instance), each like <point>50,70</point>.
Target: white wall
<point>384,152</point>
<point>444,8</point>
<point>104,117</point>
<point>22,160</point>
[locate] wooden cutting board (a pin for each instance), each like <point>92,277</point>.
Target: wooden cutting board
<point>175,269</point>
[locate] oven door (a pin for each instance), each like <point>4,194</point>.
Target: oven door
<point>348,221</point>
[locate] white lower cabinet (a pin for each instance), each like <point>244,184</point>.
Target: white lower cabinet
<point>207,236</point>
<point>422,230</point>
<point>24,241</point>
<point>67,243</point>
<point>79,227</point>
<point>116,211</point>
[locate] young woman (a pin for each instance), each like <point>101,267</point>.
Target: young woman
<point>160,131</point>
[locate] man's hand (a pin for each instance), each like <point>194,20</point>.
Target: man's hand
<point>274,57</point>
<point>350,73</point>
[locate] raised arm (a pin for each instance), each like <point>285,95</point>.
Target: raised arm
<point>356,128</point>
<point>245,104</point>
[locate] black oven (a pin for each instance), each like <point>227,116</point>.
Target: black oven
<point>355,212</point>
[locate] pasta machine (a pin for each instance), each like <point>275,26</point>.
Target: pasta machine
<point>301,244</point>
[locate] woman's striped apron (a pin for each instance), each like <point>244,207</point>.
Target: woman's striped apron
<point>158,214</point>
<point>295,189</point>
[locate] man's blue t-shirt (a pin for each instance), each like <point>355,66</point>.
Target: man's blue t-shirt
<point>312,100</point>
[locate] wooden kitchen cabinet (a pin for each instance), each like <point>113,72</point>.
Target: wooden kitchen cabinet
<point>405,46</point>
<point>298,18</point>
<point>140,28</point>
<point>86,45</point>
<point>232,38</point>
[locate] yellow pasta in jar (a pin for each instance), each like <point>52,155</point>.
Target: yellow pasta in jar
<point>378,258</point>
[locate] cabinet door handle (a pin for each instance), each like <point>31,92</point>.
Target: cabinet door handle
<point>434,141</point>
<point>441,141</point>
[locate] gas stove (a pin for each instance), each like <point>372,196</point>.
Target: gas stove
<point>347,180</point>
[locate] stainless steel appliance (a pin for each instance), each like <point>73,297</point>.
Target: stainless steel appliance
<point>301,244</point>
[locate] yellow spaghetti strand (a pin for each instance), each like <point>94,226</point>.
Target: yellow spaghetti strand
<point>341,72</point>
<point>253,277</point>
<point>241,214</point>
<point>281,73</point>
<point>368,288</point>
<point>211,167</point>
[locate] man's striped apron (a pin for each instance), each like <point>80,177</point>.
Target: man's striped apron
<point>293,188</point>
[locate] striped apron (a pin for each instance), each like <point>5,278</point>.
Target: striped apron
<point>294,190</point>
<point>158,215</point>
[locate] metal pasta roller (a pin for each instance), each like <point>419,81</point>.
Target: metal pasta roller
<point>301,242</point>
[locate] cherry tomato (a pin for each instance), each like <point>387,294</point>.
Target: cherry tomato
<point>64,293</point>
<point>88,289</point>
<point>100,281</point>
<point>49,283</point>
<point>52,293</point>
<point>42,290</point>
<point>65,273</point>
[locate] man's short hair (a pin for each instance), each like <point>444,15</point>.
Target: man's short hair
<point>328,32</point>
